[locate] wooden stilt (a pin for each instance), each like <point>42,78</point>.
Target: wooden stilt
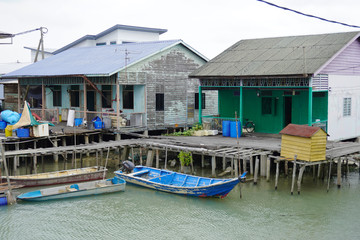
<point>86,138</point>
<point>232,167</point>
<point>150,158</point>
<point>244,164</point>
<point>140,154</point>
<point>202,160</point>
<point>42,163</point>
<point>256,170</point>
<point>166,157</point>
<point>26,165</point>
<point>239,162</point>
<point>347,167</point>
<point>251,165</point>
<point>301,172</point>
<point>268,165</point>
<point>286,166</point>
<point>328,183</point>
<point>339,172</point>
<point>56,156</point>
<point>277,175</point>
<point>101,157</point>
<point>35,159</point>
<point>213,166</point>
<point>157,158</point>
<point>65,160</point>
<point>97,157</point>
<point>293,176</point>
<point>16,159</point>
<point>236,167</point>
<point>73,159</point>
<point>81,159</point>
<point>118,137</point>
<point>262,165</point>
<point>132,155</point>
<point>224,162</point>
<point>119,158</point>
<point>319,171</point>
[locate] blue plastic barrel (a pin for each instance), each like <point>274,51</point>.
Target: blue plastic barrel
<point>226,128</point>
<point>3,201</point>
<point>78,121</point>
<point>98,125</point>
<point>233,129</point>
<point>23,132</point>
<point>3,125</point>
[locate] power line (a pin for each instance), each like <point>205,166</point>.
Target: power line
<point>308,15</point>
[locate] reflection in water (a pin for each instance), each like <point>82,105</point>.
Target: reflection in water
<point>141,213</point>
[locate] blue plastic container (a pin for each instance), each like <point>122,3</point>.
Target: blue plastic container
<point>226,128</point>
<point>98,125</point>
<point>23,132</point>
<point>3,125</point>
<point>78,121</point>
<point>233,129</point>
<point>3,201</point>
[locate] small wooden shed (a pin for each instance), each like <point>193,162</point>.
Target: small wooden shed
<point>308,143</point>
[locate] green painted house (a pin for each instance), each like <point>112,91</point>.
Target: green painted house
<point>310,80</point>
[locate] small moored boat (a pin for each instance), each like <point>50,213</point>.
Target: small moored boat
<point>76,190</point>
<point>173,182</point>
<point>59,177</point>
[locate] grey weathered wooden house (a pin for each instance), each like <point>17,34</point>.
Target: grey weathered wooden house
<point>146,81</point>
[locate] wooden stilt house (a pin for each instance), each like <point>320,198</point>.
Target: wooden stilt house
<point>308,143</point>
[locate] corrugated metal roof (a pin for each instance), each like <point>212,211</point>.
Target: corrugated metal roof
<point>93,61</point>
<point>295,55</point>
<point>300,130</point>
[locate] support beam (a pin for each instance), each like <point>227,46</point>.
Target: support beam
<point>56,156</point>
<point>157,158</point>
<point>263,165</point>
<point>293,176</point>
<point>268,164</point>
<point>213,165</point>
<point>150,158</point>
<point>277,175</point>
<point>256,170</point>
<point>339,172</point>
<point>236,167</point>
<point>301,172</point>
<point>86,138</point>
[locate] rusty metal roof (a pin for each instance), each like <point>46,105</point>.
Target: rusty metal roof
<point>279,56</point>
<point>300,130</point>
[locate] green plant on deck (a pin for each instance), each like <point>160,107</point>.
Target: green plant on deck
<point>197,126</point>
<point>189,132</point>
<point>185,158</point>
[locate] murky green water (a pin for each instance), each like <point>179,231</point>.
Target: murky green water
<point>140,213</point>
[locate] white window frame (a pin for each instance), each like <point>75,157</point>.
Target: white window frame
<point>347,107</point>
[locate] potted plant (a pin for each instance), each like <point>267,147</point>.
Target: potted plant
<point>185,161</point>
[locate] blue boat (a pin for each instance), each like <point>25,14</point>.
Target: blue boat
<point>179,183</point>
<point>76,190</point>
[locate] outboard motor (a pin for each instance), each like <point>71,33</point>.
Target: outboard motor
<point>127,166</point>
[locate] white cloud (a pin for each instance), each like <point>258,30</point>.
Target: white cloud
<point>207,25</point>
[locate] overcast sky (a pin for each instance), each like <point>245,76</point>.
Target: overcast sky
<point>209,26</point>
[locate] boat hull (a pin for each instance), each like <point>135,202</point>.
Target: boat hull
<point>32,181</point>
<point>220,189</point>
<point>64,192</point>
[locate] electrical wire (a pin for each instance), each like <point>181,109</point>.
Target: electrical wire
<point>308,15</point>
